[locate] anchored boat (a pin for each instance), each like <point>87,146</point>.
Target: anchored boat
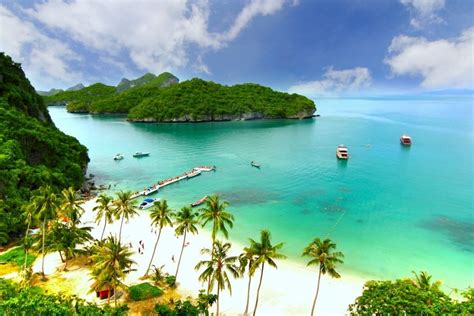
<point>139,154</point>
<point>199,202</point>
<point>341,152</point>
<point>405,140</point>
<point>193,174</point>
<point>254,164</point>
<point>118,157</point>
<point>147,203</point>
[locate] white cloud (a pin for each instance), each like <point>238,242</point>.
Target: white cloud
<point>444,63</point>
<point>424,11</point>
<point>44,59</point>
<point>156,35</point>
<point>335,81</point>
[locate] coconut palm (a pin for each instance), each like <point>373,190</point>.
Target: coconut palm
<point>323,253</point>
<point>186,221</point>
<point>218,267</point>
<point>71,205</point>
<point>264,252</point>
<point>47,203</point>
<point>30,210</point>
<point>160,216</point>
<point>104,209</point>
<point>111,263</point>
<point>246,260</point>
<point>215,212</point>
<point>423,281</point>
<point>124,208</point>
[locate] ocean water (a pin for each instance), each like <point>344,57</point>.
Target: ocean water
<point>390,209</point>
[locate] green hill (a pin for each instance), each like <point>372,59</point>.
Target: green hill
<point>33,152</point>
<point>162,99</point>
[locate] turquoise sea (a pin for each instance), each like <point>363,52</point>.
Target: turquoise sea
<point>390,209</point>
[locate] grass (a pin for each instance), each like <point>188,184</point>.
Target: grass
<point>143,291</point>
<point>16,256</point>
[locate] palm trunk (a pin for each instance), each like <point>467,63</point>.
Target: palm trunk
<point>120,231</point>
<point>248,296</point>
<point>103,230</point>
<point>317,292</point>
<point>65,265</point>
<point>42,247</point>
<point>115,296</point>
<point>212,258</point>
<point>217,302</point>
<point>61,256</point>
<point>258,290</point>
<point>26,241</point>
<point>108,297</point>
<point>153,254</point>
<point>180,255</point>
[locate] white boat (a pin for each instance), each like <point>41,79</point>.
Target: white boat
<point>199,202</point>
<point>193,174</point>
<point>341,152</point>
<point>205,168</point>
<point>147,203</point>
<point>405,140</point>
<point>141,154</point>
<point>151,189</point>
<point>118,157</point>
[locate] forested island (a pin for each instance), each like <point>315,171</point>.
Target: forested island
<point>33,152</point>
<point>163,99</point>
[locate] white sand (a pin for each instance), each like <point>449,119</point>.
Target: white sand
<point>288,290</point>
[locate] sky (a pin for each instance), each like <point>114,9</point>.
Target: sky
<point>312,47</point>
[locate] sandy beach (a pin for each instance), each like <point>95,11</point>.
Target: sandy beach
<point>288,290</point>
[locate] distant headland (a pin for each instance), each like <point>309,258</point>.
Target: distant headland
<point>163,98</point>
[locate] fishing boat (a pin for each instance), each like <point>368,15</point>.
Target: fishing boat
<point>254,164</point>
<point>118,157</point>
<point>139,154</point>
<point>341,152</point>
<point>199,202</point>
<point>405,140</point>
<point>147,203</point>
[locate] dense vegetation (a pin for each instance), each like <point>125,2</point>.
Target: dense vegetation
<point>33,152</point>
<point>100,98</point>
<point>410,297</point>
<point>15,300</point>
<point>143,291</point>
<point>162,99</point>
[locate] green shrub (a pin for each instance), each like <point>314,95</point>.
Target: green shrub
<point>170,280</point>
<point>143,291</point>
<point>17,256</point>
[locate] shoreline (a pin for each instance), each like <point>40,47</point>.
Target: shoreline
<point>288,290</point>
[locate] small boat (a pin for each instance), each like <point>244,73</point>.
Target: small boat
<point>141,154</point>
<point>193,174</point>
<point>254,164</point>
<point>151,189</point>
<point>199,202</point>
<point>147,203</point>
<point>118,157</point>
<point>405,140</point>
<point>341,152</point>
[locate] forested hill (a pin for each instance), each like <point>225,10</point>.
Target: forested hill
<point>162,99</point>
<point>33,152</point>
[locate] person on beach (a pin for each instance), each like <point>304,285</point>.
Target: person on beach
<point>172,258</point>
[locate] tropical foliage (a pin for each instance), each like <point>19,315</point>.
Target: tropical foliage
<point>186,221</point>
<point>143,291</point>
<point>322,254</point>
<point>407,297</point>
<point>33,152</point>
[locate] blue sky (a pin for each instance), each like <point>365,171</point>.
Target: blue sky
<point>314,47</point>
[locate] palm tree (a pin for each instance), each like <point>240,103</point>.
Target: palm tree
<point>323,254</point>
<point>105,210</point>
<point>264,252</point>
<point>47,203</point>
<point>124,208</point>
<point>71,205</point>
<point>423,281</point>
<point>111,263</point>
<point>217,268</point>
<point>186,221</point>
<point>215,212</point>
<point>246,260</point>
<point>30,210</point>
<point>160,216</point>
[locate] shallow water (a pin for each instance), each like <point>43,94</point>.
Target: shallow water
<point>390,209</point>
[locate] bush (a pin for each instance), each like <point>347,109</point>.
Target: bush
<point>17,256</point>
<point>143,291</point>
<point>170,280</point>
